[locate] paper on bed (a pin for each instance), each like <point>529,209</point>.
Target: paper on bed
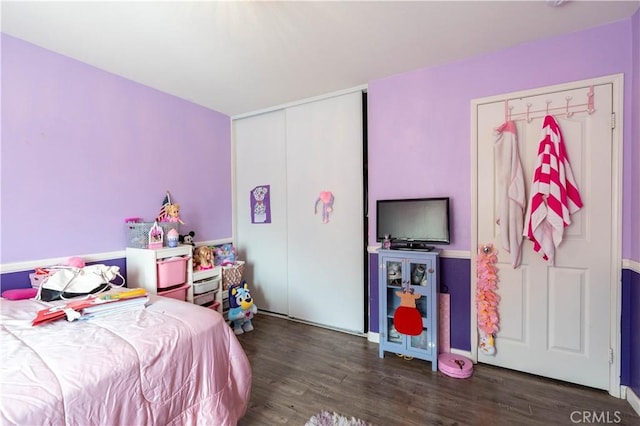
<point>56,310</point>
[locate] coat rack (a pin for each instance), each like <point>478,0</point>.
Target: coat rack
<point>568,109</point>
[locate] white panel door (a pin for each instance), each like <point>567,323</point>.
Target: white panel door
<point>326,260</point>
<point>555,320</point>
<point>260,155</point>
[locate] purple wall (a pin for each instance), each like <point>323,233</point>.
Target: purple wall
<point>82,149</point>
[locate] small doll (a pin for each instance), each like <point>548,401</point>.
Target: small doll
<point>173,213</point>
<point>202,259</point>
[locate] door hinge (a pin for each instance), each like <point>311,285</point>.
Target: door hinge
<point>610,355</point>
<point>613,120</point>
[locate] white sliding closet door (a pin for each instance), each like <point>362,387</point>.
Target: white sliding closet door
<point>297,265</point>
<point>260,155</point>
<point>325,260</point>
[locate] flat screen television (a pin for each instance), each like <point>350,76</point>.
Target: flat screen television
<point>413,223</point>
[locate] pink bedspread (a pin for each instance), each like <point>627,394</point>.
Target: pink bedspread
<point>171,363</point>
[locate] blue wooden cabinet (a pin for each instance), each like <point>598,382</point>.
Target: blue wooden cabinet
<point>419,270</point>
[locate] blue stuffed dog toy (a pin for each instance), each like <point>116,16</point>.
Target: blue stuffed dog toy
<point>241,308</point>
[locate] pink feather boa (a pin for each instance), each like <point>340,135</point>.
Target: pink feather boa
<point>486,298</point>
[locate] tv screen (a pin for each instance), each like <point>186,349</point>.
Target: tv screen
<point>423,220</point>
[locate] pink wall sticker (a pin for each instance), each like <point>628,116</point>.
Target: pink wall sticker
<point>326,199</point>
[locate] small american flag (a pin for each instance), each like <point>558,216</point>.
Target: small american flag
<point>162,216</point>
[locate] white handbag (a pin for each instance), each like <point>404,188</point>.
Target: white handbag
<point>68,281</point>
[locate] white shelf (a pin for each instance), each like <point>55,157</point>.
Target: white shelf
<point>212,276</point>
<point>142,270</point>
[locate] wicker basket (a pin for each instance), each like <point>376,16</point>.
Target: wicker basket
<point>232,274</point>
<point>138,233</point>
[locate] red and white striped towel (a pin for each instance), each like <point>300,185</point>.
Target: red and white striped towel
<point>554,194</point>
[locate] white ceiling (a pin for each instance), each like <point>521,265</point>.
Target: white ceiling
<point>238,57</point>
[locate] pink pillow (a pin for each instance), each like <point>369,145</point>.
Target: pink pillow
<point>20,293</point>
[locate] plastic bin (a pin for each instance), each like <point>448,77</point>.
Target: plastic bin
<point>172,271</point>
<point>205,299</point>
<point>179,293</point>
<point>204,286</point>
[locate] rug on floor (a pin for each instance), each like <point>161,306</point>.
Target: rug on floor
<point>327,418</point>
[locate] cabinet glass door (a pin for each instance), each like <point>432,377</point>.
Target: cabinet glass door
<point>421,341</point>
<point>421,275</point>
<point>393,282</point>
<point>394,273</point>
<point>418,273</point>
<point>393,336</point>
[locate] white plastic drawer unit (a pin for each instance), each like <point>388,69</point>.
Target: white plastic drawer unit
<point>206,280</point>
<point>205,298</point>
<point>204,286</point>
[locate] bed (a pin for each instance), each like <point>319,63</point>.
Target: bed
<point>171,363</point>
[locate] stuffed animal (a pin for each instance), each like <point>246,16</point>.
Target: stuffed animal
<point>241,308</point>
<point>188,238</point>
<point>487,345</point>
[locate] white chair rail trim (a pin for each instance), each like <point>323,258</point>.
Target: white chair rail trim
<point>88,258</point>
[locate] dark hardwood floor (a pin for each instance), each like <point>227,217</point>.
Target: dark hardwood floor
<point>299,370</point>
